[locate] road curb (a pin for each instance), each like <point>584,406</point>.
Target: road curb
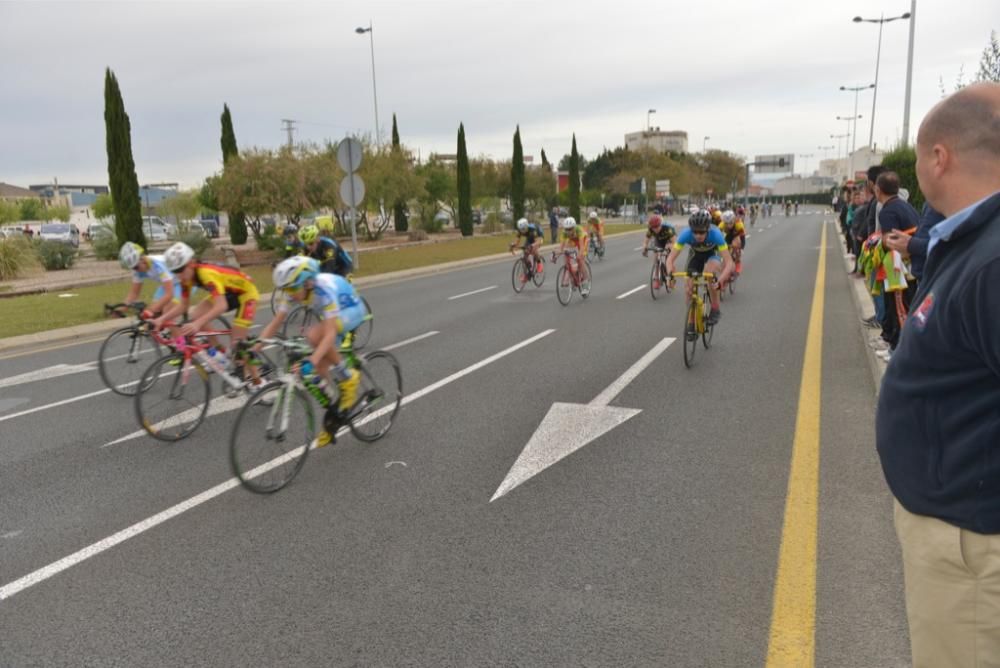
<point>107,326</point>
<point>865,309</point>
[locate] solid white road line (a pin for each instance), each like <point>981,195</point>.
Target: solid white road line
<point>474,292</point>
<point>408,341</point>
<point>58,403</point>
<point>630,292</point>
<point>55,371</point>
<point>56,567</point>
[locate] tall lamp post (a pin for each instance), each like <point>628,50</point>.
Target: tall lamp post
<point>371,39</point>
<point>854,139</point>
<point>909,73</point>
<point>648,126</point>
<point>826,151</point>
<point>881,21</point>
<point>704,143</point>
<point>839,143</point>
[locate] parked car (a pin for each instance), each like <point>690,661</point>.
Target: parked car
<point>63,232</point>
<point>12,231</point>
<point>211,227</point>
<point>95,230</point>
<point>154,228</point>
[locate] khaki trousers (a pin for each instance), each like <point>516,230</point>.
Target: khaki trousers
<point>952,592</point>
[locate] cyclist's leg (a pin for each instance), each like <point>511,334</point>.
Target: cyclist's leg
<point>714,265</point>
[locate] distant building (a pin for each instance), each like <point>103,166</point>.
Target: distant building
<point>662,142</point>
<point>70,195</point>
<point>16,193</point>
<point>844,169</point>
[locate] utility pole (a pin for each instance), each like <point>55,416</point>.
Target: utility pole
<point>289,127</point>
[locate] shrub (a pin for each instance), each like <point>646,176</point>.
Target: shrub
<point>195,238</point>
<point>416,235</point>
<point>16,256</point>
<point>903,161</point>
<point>492,223</point>
<point>430,223</point>
<point>55,254</point>
<point>270,239</point>
<point>105,245</point>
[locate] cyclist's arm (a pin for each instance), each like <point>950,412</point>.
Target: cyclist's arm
<point>672,258</point>
<point>727,264</point>
<point>168,295</point>
<point>173,311</point>
<point>133,292</point>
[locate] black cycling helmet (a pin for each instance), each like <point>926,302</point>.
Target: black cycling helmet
<point>290,229</point>
<point>700,221</point>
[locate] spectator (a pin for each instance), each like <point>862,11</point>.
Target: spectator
<point>895,215</point>
<point>938,416</point>
<point>916,246</point>
<point>554,224</point>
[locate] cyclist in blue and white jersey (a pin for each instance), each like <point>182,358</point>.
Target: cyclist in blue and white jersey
<point>144,267</point>
<point>339,309</point>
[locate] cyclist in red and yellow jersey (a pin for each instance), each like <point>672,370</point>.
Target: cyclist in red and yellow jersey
<point>736,237</point>
<point>595,226</point>
<point>229,289</point>
<point>574,237</point>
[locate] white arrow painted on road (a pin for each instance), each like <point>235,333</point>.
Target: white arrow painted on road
<point>47,372</point>
<point>568,427</point>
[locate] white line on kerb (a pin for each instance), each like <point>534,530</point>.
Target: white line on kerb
<point>474,292</point>
<point>630,292</point>
<point>57,567</point>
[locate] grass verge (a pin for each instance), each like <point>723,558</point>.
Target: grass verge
<point>42,312</point>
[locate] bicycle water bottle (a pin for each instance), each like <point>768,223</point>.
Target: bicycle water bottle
<point>317,385</point>
<point>203,359</point>
<point>219,357</point>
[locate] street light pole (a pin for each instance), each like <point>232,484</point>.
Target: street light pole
<point>648,126</point>
<point>371,39</point>
<point>850,156</point>
<point>881,21</point>
<point>840,143</point>
<point>909,74</point>
<point>704,143</point>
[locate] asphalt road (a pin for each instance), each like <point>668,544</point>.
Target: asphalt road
<point>656,543</point>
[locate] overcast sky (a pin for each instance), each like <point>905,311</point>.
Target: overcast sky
<point>756,77</point>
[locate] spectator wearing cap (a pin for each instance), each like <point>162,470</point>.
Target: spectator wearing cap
<point>938,416</point>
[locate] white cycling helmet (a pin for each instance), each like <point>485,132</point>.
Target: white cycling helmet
<point>294,271</point>
<point>568,223</point>
<point>522,224</point>
<point>178,256</point>
<point>592,216</point>
<point>728,216</point>
<point>130,254</point>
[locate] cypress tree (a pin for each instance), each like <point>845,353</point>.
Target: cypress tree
<point>517,177</point>
<point>574,182</point>
<point>121,168</point>
<point>545,160</point>
<point>237,221</point>
<point>464,186</point>
<point>398,210</point>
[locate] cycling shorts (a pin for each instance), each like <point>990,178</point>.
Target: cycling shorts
<point>245,306</point>
<point>698,261</point>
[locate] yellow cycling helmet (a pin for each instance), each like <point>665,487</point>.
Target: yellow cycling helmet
<point>325,225</point>
<point>308,234</point>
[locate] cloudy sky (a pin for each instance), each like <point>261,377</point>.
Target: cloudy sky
<point>756,77</point>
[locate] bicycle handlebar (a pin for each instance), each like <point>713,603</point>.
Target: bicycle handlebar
<point>692,274</point>
<point>117,309</point>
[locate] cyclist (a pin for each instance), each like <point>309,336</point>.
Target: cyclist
<point>533,237</point>
<point>716,216</point>
<point>292,244</point>
<point>339,309</point>
<point>661,234</point>
<point>144,267</point>
<point>574,236</point>
<point>596,226</point>
<point>709,253</point>
<point>736,237</point>
<point>228,288</point>
<point>332,257</point>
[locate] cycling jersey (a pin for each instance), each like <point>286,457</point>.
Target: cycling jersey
<point>332,296</point>
<point>294,247</point>
<point>663,236</point>
<point>531,235</point>
<point>577,237</point>
<point>713,242</point>
<point>737,229</point>
<point>333,259</point>
<point>157,272</point>
<point>238,288</point>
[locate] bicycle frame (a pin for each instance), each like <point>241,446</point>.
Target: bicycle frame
<point>568,263</point>
<point>697,281</point>
<point>191,348</point>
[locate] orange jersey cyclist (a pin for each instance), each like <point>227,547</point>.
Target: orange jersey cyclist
<point>709,253</point>
<point>596,226</point>
<point>574,237</point>
<point>228,288</point>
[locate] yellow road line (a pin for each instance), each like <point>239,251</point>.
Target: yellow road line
<point>793,618</point>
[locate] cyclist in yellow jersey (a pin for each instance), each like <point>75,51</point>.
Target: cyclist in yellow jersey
<point>596,226</point>
<point>228,289</point>
<point>575,237</point>
<point>736,236</point>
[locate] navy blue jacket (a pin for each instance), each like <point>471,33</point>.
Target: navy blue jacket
<point>897,215</point>
<point>917,248</point>
<point>938,420</point>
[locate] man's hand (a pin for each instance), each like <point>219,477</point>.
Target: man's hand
<point>190,328</point>
<point>897,241</point>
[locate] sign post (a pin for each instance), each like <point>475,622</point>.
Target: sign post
<point>352,188</point>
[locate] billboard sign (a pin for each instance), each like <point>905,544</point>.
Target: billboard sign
<point>775,164</point>
<point>663,188</point>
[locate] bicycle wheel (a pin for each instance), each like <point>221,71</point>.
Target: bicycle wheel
<point>123,359</point>
<point>363,332</point>
<point>274,300</point>
<point>564,286</point>
<point>172,401</point>
<point>517,277</point>
<point>381,395</point>
<point>706,335</point>
<point>265,457</point>
<point>538,277</point>
<point>652,280</point>
<point>298,320</point>
<point>587,282</point>
<point>690,334</point>
<point>732,285</point>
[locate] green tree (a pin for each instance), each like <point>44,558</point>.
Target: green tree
<point>517,177</point>
<point>989,64</point>
<point>121,167</point>
<point>399,206</point>
<point>440,190</point>
<point>574,181</point>
<point>389,177</point>
<point>9,212</point>
<point>58,212</point>
<point>237,219</point>
<point>103,206</point>
<point>464,186</point>
<point>903,161</point>
<point>181,206</point>
<point>545,160</point>
<point>32,209</point>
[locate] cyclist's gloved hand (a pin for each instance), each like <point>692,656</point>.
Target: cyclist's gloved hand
<point>146,314</point>
<point>306,368</point>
